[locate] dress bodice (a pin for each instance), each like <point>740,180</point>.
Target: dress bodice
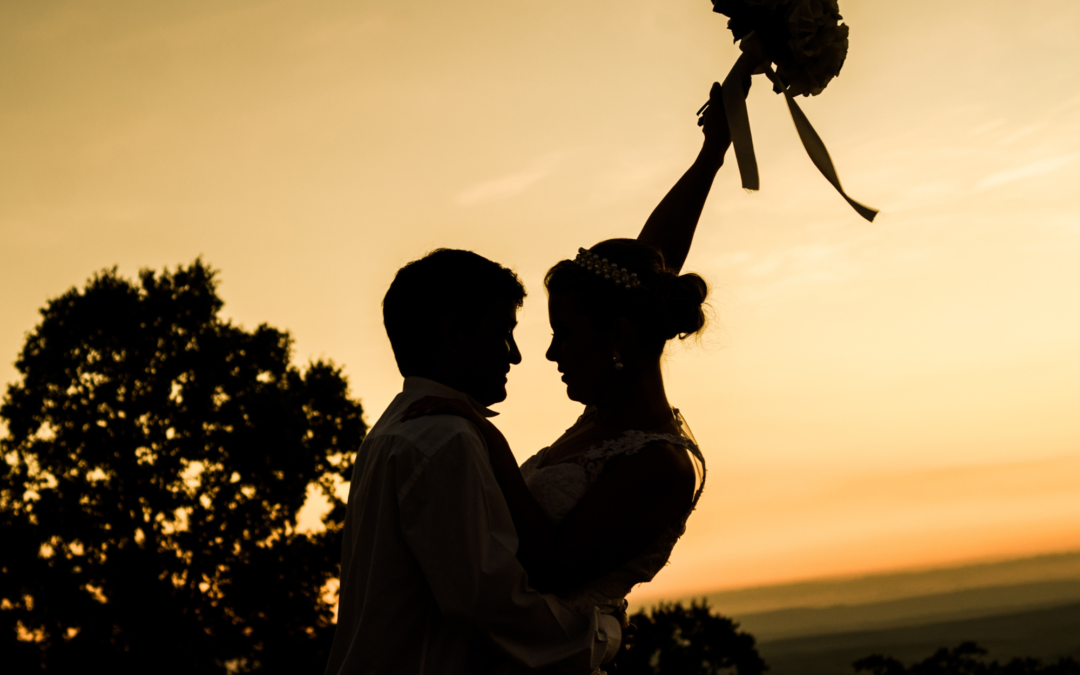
<point>557,489</point>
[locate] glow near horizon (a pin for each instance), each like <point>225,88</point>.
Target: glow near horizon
<point>870,397</point>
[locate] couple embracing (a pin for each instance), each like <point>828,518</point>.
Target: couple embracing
<point>455,559</point>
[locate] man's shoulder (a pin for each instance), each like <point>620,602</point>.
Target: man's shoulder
<point>414,446</point>
<point>426,435</point>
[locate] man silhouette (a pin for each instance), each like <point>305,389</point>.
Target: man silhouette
<point>429,578</point>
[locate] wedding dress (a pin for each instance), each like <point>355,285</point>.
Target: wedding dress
<point>559,487</point>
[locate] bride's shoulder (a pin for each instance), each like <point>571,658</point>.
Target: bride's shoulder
<point>661,468</point>
<point>665,449</point>
<point>672,454</point>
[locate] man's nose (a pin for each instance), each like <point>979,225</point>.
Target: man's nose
<point>515,354</point>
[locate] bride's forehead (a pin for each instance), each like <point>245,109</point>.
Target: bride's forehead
<point>564,306</point>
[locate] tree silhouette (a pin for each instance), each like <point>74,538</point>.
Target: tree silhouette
<point>678,640</point>
<point>155,462</point>
<point>967,658</point>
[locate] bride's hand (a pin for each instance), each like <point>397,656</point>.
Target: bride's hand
<point>713,122</point>
<point>437,405</point>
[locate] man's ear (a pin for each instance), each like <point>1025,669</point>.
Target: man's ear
<point>449,338</point>
<point>452,337</point>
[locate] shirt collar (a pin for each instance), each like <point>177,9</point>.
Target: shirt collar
<point>425,387</point>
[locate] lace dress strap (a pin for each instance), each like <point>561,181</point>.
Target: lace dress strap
<point>629,443</point>
<point>632,441</point>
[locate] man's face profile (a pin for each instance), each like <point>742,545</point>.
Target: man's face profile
<point>483,351</point>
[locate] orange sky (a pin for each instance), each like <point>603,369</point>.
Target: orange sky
<point>870,396</point>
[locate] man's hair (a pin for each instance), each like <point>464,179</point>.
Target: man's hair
<point>446,282</point>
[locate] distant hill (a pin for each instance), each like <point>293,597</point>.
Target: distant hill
<point>879,588</point>
<point>967,604</point>
<point>1024,607</point>
<point>1048,634</point>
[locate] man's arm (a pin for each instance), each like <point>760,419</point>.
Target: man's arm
<point>456,523</point>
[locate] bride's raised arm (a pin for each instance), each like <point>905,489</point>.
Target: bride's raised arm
<point>671,226</point>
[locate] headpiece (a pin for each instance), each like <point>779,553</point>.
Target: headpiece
<point>602,267</point>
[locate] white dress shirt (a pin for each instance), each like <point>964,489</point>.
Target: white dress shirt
<point>429,578</point>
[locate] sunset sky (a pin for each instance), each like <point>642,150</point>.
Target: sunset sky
<point>869,396</point>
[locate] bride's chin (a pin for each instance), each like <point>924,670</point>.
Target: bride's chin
<point>574,395</point>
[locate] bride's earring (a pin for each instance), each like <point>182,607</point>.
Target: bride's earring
<point>618,363</point>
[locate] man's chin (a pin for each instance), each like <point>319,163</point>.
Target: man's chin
<point>492,396</point>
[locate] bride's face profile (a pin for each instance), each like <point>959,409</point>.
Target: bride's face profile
<point>584,355</point>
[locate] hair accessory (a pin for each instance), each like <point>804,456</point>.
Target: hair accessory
<point>602,267</point>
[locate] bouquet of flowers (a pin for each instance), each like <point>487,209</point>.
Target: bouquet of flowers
<point>800,45</point>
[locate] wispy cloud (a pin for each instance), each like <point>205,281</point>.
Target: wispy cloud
<point>633,170</point>
<point>512,184</point>
<point>1039,168</point>
<point>983,128</point>
<point>775,276</point>
<point>1022,133</point>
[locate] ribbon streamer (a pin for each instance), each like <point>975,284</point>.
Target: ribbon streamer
<point>739,120</point>
<point>752,61</point>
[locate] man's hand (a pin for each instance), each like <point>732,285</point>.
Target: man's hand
<point>628,632</point>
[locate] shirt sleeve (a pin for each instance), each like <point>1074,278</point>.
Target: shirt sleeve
<point>457,524</point>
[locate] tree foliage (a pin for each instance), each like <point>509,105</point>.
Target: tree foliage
<point>967,658</point>
<point>155,462</point>
<point>678,640</point>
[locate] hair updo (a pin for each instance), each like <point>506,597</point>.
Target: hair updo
<point>665,304</point>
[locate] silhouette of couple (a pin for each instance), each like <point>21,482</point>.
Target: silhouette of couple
<point>457,560</point>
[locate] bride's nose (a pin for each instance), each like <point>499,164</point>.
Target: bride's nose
<point>551,354</point>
